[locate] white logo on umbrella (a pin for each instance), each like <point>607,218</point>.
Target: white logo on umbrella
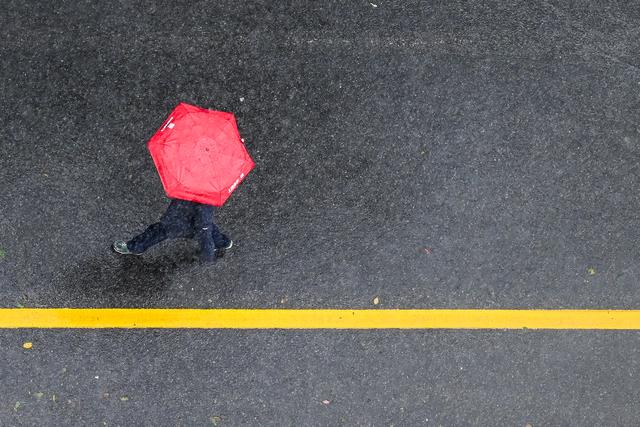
<point>168,124</point>
<point>236,182</point>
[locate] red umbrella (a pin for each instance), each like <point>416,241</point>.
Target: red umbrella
<point>199,155</point>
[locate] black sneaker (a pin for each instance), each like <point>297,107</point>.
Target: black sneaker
<point>222,249</point>
<point>228,245</point>
<point>122,248</point>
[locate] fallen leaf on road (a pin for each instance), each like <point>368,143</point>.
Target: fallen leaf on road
<point>38,395</point>
<point>124,398</point>
<point>592,271</point>
<point>2,253</point>
<point>27,345</point>
<point>215,420</point>
<point>16,406</point>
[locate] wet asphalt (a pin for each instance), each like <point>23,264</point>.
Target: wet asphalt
<point>430,154</point>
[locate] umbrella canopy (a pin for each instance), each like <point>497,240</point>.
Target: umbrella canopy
<point>199,155</point>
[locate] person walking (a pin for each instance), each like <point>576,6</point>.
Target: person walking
<point>182,219</point>
<point>201,160</point>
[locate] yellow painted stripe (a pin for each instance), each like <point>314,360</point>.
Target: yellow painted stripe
<point>317,319</point>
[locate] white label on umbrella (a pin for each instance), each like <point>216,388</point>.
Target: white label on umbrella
<point>235,184</point>
<point>168,124</point>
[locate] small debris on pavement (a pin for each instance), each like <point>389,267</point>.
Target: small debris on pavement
<point>326,402</point>
<point>241,99</point>
<point>374,5</point>
<point>376,301</point>
<point>592,271</point>
<point>27,345</point>
<point>124,398</point>
<point>3,253</point>
<point>38,395</point>
<point>215,420</point>
<point>427,250</point>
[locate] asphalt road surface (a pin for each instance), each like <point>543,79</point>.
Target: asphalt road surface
<point>430,154</point>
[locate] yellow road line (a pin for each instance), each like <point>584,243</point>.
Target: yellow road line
<point>317,319</point>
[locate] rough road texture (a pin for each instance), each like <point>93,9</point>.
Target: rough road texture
<point>433,154</point>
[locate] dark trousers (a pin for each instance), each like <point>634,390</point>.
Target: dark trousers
<point>158,232</point>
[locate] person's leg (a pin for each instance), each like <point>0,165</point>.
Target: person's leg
<point>153,235</point>
<point>219,239</point>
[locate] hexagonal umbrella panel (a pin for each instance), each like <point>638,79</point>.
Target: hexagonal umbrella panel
<point>199,155</point>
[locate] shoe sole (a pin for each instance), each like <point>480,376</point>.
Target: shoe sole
<point>123,253</point>
<point>225,247</point>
